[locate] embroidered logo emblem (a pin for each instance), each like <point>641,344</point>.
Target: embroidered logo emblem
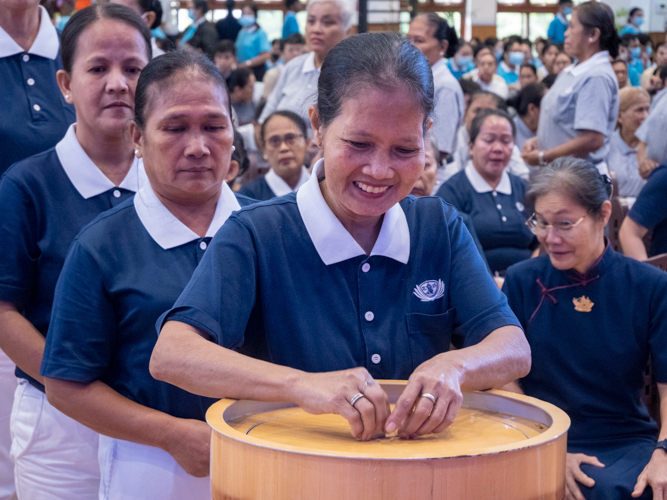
<point>583,304</point>
<point>519,206</point>
<point>429,290</point>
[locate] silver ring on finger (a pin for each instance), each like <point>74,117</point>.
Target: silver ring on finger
<point>356,398</point>
<point>428,396</point>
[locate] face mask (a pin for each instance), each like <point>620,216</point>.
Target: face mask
<point>191,14</point>
<point>464,61</point>
<point>639,21</point>
<point>568,11</point>
<point>516,58</point>
<point>636,52</point>
<point>247,20</point>
<point>499,54</point>
<point>649,51</point>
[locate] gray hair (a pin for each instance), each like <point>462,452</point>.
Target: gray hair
<point>575,178</point>
<point>345,11</point>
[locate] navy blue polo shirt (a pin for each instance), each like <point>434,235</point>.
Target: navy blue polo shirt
<point>34,113</point>
<point>122,272</point>
<point>650,209</point>
<point>284,281</point>
<point>257,189</point>
<point>46,200</point>
<point>590,337</point>
<point>499,215</point>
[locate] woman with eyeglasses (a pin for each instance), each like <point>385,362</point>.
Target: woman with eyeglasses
<point>285,139</point>
<point>592,318</point>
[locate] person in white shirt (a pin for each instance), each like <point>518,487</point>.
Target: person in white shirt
<point>485,74</point>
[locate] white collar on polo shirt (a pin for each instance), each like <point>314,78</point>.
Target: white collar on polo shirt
<point>481,186</point>
<point>46,44</point>
<point>164,227</point>
<point>309,64</point>
<point>280,187</point>
<point>89,180</point>
<point>332,241</point>
<point>598,58</point>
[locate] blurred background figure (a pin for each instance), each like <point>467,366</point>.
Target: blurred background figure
<point>252,45</point>
<point>558,26</point>
<point>224,57</point>
<point>290,25</point>
<point>228,27</point>
<point>635,21</point>
<point>621,71</point>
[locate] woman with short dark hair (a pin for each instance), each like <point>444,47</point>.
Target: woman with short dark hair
<point>340,280</point>
<point>46,200</point>
<point>128,267</point>
<point>593,317</point>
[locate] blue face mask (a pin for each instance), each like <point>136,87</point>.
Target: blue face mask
<point>639,21</point>
<point>463,61</point>
<point>636,52</point>
<point>649,51</point>
<point>568,11</point>
<point>247,20</point>
<point>499,54</point>
<point>516,58</point>
<point>191,14</point>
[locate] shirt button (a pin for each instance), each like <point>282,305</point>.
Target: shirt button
<point>498,206</point>
<point>31,82</point>
<point>376,358</point>
<point>366,267</point>
<point>504,219</point>
<point>116,193</point>
<point>369,316</point>
<point>202,245</point>
<point>37,107</point>
<point>495,194</point>
<point>26,57</point>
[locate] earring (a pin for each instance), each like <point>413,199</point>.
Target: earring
<point>136,152</point>
<point>590,39</point>
<point>233,148</point>
<point>66,96</point>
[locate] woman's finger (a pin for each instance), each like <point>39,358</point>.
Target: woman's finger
<point>437,417</point>
<point>376,395</point>
<point>417,418</point>
<point>349,413</point>
<point>583,478</point>
<point>573,488</point>
<point>403,406</point>
<point>641,485</point>
<point>452,409</point>
<point>367,412</point>
<point>590,460</point>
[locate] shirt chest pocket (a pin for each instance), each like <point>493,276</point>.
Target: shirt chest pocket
<point>566,105</point>
<point>429,334</point>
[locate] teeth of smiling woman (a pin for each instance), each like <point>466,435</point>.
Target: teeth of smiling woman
<point>369,189</point>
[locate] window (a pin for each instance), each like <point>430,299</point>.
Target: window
<point>527,18</point>
<point>452,10</point>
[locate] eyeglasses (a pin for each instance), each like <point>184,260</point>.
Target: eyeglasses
<point>275,141</point>
<point>540,228</point>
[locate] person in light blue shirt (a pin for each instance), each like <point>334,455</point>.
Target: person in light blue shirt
<point>290,24</point>
<point>310,297</point>
<point>558,26</point>
<point>635,65</point>
<point>462,62</point>
<point>252,45</point>
<point>513,57</point>
<point>635,20</point>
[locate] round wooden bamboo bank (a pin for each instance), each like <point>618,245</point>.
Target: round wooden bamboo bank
<point>502,446</point>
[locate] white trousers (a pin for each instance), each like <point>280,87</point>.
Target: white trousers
<point>55,457</point>
<point>132,471</point>
<point>7,390</point>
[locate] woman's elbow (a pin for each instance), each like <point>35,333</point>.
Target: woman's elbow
<point>160,359</point>
<point>524,357</point>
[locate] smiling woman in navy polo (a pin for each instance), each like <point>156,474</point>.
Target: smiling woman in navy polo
<point>341,276</point>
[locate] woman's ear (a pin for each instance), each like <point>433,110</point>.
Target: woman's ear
<point>605,211</point>
<point>64,82</point>
<point>149,18</point>
<point>314,115</point>
<point>444,45</point>
<point>232,172</point>
<point>137,139</point>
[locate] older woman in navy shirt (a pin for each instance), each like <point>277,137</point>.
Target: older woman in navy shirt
<point>491,196</point>
<point>127,268</point>
<point>592,317</point>
<point>45,200</point>
<point>330,287</point>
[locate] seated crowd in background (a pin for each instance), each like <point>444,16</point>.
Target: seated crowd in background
<point>518,143</point>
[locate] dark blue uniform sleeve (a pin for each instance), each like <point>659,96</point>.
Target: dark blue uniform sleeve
<point>223,289</point>
<point>18,243</point>
<point>82,332</point>
<point>480,306</point>
<point>658,329</point>
<point>651,206</point>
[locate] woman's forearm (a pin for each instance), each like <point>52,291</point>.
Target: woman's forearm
<point>182,357</point>
<point>662,392</point>
<point>502,357</point>
<point>21,341</point>
<point>587,142</point>
<point>102,409</point>
<point>631,236</point>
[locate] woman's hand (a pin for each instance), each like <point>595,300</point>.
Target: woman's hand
<point>416,415</point>
<point>331,392</point>
<point>655,476</point>
<point>574,475</point>
<point>189,442</point>
<point>530,153</point>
